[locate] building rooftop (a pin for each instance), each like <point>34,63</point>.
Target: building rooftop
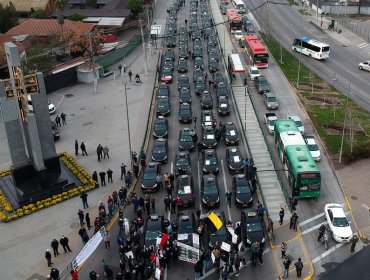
<point>22,6</point>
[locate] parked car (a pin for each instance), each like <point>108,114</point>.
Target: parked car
<point>210,162</point>
<point>221,235</point>
<point>270,101</point>
<point>234,160</point>
<point>185,190</point>
<point>149,183</point>
<point>206,100</point>
<point>51,106</point>
<point>210,191</point>
<point>152,230</point>
<point>185,113</point>
<point>223,106</point>
<point>186,140</point>
<point>313,147</point>
<point>364,65</point>
<point>182,163</point>
<point>252,230</point>
<point>231,134</point>
<point>160,128</point>
<point>298,122</point>
<point>160,150</point>
<point>243,192</point>
<point>163,107</point>
<point>253,72</point>
<point>182,66</point>
<point>209,140</point>
<point>262,84</point>
<point>185,96</point>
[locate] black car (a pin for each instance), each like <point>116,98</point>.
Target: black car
<point>149,183</point>
<point>211,45</point>
<point>185,95</point>
<point>221,235</point>
<point>195,35</point>
<point>208,32</point>
<point>160,127</point>
<point>186,141</point>
<point>163,90</point>
<point>171,42</point>
<point>169,54</point>
<point>163,107</point>
<point>168,63</point>
<point>198,63</point>
<point>197,44</point>
<point>242,191</point>
<point>198,73</point>
<point>185,190</point>
<point>247,23</point>
<point>209,140</point>
<point>186,224</point>
<point>182,66</point>
<point>183,81</point>
<point>252,230</point>
<point>210,162</point>
<point>213,54</point>
<point>222,90</point>
<point>55,130</point>
<point>213,65</point>
<point>152,230</point>
<point>183,38</point>
<point>210,191</point>
<point>262,84</point>
<point>234,160</point>
<point>182,163</point>
<point>166,76</point>
<point>206,100</point>
<point>207,119</point>
<point>223,106</point>
<point>183,53</point>
<point>183,30</point>
<point>217,78</point>
<point>160,150</point>
<point>231,134</point>
<point>185,113</point>
<point>200,86</point>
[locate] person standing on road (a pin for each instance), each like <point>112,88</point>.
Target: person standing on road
<point>102,178</point>
<point>130,74</point>
<point>55,245</point>
<point>83,197</point>
<point>294,221</point>
<point>283,247</point>
<point>166,179</point>
<point>123,171</point>
<point>167,203</point>
<point>159,180</point>
<point>200,148</point>
<point>83,149</point>
<point>298,267</point>
<point>64,242</point>
<point>63,117</point>
<point>76,147</point>
<point>152,202</point>
<point>281,215</point>
<point>354,241</point>
<point>99,151</point>
<point>48,257</point>
<point>173,205</point>
<point>81,216</point>
<point>107,238</point>
<point>110,175</point>
<point>106,152</point>
<point>286,265</point>
<point>261,211</point>
<point>88,221</point>
<point>95,177</point>
<point>57,121</point>
<point>228,195</point>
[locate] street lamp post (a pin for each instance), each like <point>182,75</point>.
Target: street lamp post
<point>299,66</point>
<point>344,125</point>
<point>128,126</point>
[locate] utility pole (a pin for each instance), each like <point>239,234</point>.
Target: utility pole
<point>344,125</point>
<point>143,44</point>
<point>267,18</point>
<point>93,66</point>
<point>147,15</point>
<point>128,126</point>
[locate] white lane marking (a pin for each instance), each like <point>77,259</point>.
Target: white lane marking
<point>171,167</point>
<point>225,187</point>
<point>363,45</point>
<point>169,213</point>
<point>57,105</point>
<point>199,188</point>
<point>311,219</point>
<point>313,228</point>
<point>327,252</point>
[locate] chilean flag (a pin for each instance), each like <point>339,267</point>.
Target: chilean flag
<point>163,240</point>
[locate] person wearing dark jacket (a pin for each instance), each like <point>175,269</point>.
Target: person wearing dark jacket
<point>55,245</point>
<point>64,242</point>
<point>95,177</point>
<point>102,178</point>
<point>198,269</point>
<point>83,197</point>
<point>54,274</point>
<point>48,257</point>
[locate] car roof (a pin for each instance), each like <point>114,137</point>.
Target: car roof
<point>253,68</point>
<point>294,117</point>
<point>269,94</point>
<point>310,141</point>
<point>336,209</point>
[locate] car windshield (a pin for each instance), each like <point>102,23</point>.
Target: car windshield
<point>150,235</point>
<point>210,161</point>
<point>242,190</point>
<point>254,227</point>
<point>272,122</point>
<point>159,126</point>
<point>210,190</point>
<point>340,222</point>
<point>298,123</point>
<point>313,147</point>
<point>271,99</point>
<point>182,162</point>
<point>254,71</point>
<point>149,176</point>
<point>185,227</point>
<point>186,138</point>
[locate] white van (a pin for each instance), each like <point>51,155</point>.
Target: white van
<point>239,6</point>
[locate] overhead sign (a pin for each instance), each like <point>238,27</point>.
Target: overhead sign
<point>188,253</point>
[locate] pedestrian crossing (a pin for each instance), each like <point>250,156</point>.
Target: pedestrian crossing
<point>363,45</point>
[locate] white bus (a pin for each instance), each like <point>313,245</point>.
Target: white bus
<point>311,48</point>
<point>239,6</point>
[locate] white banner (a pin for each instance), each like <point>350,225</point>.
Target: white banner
<point>88,249</point>
<point>188,253</point>
<point>233,235</point>
<point>225,246</point>
<point>157,273</point>
<point>196,240</point>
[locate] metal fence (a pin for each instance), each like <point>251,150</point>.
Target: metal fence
<point>361,29</point>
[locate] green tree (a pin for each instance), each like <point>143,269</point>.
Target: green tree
<point>136,7</point>
<point>38,58</point>
<point>76,17</point>
<point>39,14</point>
<point>60,4</point>
<point>8,17</point>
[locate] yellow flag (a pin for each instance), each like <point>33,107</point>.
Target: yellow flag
<point>215,220</point>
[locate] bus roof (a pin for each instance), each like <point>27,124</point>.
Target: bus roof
<point>232,14</point>
<point>282,125</point>
<point>255,44</point>
<point>300,159</point>
<point>312,42</point>
<point>236,63</point>
<point>290,138</point>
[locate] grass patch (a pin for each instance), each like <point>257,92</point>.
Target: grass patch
<point>304,12</point>
<point>292,2</point>
<point>322,115</point>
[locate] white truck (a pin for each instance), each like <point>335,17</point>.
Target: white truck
<point>270,119</point>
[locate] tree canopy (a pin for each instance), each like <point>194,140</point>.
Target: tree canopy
<point>81,42</point>
<point>76,17</point>
<point>39,14</point>
<point>136,7</point>
<point>8,17</point>
<point>38,58</point>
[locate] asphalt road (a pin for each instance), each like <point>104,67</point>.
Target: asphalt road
<point>286,24</point>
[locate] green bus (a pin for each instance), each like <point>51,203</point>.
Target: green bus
<point>283,125</point>
<point>302,172</point>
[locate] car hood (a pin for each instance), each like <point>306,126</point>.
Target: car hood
<point>160,132</point>
<point>187,144</point>
<point>244,197</point>
<point>159,156</point>
<point>315,154</point>
<point>217,238</point>
<point>342,231</point>
<point>149,183</point>
<point>254,236</point>
<point>212,197</point>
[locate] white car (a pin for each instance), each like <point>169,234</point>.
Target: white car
<point>50,105</point>
<point>338,222</point>
<point>364,65</point>
<point>254,72</point>
<point>313,147</point>
<point>238,34</point>
<point>298,122</point>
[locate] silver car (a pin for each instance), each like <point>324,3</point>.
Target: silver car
<point>270,100</point>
